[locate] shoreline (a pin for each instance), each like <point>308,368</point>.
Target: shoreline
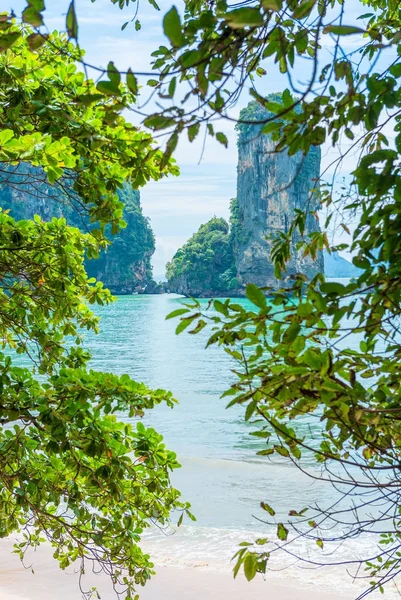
<point>48,582</point>
<point>170,583</point>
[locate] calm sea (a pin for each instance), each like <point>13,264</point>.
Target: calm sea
<point>221,475</point>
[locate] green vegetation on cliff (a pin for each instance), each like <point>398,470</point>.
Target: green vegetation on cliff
<point>205,264</point>
<point>254,111</point>
<point>124,266</point>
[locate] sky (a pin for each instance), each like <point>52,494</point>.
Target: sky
<point>177,206</point>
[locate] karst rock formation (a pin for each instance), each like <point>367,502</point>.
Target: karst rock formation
<point>271,186</point>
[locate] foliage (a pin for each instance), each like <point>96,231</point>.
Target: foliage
<point>297,361</point>
<point>125,265</point>
<point>238,236</point>
<point>214,51</point>
<point>294,361</point>
<point>71,472</point>
<point>127,260</point>
<point>205,261</point>
<point>205,264</point>
<point>66,124</point>
<point>250,118</point>
<point>294,352</point>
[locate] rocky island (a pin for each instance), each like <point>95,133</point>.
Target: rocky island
<point>221,258</point>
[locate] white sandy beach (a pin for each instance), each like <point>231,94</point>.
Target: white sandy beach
<point>48,582</point>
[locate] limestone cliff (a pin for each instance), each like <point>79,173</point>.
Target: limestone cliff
<point>270,187</point>
<point>220,259</point>
<point>125,267</point>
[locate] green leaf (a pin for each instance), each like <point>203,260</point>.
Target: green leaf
<point>220,137</point>
<point>32,16</point>
<point>172,86</point>
<point>108,88</point>
<point>261,541</point>
<point>333,288</point>
<point>318,136</point>
<point>71,22</point>
<point>220,307</point>
<point>274,5</point>
<point>305,309</point>
<point>301,41</point>
<point>395,70</point>
<point>267,452</point>
<point>298,345</point>
<point>200,325</point>
<point>7,40</point>
<point>283,65</point>
<point>177,313</point>
<point>172,27</point>
<point>113,74</point>
<point>183,324</point>
<point>287,98</point>
<point>312,359</point>
<point>361,262</point>
<point>250,409</point>
<point>170,147</point>
<point>250,566</point>
<point>158,122</point>
<point>291,333</point>
<point>193,131</point>
<point>88,99</point>
<point>282,532</point>
<point>5,136</point>
<point>36,40</point>
<point>255,295</point>
<point>297,513</point>
<point>268,508</point>
<point>237,567</point>
<point>244,17</point>
<point>132,82</point>
<point>272,126</point>
<point>304,9</point>
<point>343,29</point>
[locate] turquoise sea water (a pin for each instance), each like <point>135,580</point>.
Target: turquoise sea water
<point>209,439</point>
<point>221,475</point>
<point>136,339</point>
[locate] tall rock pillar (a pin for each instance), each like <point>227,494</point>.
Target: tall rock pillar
<point>270,187</point>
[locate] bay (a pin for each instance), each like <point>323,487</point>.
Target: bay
<point>221,475</point>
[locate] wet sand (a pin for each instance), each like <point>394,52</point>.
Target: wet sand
<point>49,582</point>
